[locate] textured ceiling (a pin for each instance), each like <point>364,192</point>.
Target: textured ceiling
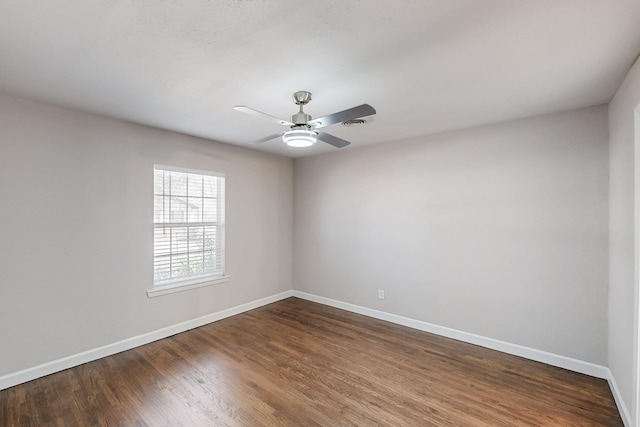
<point>426,65</point>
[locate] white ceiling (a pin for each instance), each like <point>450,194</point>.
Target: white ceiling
<point>426,65</point>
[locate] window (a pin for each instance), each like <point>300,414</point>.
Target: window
<point>188,244</point>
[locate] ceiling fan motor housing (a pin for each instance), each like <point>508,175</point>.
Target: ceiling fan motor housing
<point>300,118</point>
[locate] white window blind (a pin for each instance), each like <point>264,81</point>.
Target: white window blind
<point>188,225</point>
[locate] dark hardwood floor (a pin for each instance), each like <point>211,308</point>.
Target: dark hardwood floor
<point>297,363</point>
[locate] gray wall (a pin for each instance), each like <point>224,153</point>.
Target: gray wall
<point>500,231</point>
<point>623,277</point>
<point>76,247</point>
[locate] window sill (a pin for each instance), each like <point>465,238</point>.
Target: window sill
<point>171,288</point>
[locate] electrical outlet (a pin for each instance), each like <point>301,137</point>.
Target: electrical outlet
<point>380,294</point>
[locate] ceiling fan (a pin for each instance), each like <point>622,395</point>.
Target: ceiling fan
<point>303,130</point>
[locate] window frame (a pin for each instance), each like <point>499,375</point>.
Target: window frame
<point>191,281</point>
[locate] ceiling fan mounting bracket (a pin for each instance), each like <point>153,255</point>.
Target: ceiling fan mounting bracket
<point>302,97</point>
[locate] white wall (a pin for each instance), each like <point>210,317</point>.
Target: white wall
<point>623,277</point>
<point>76,241</point>
<point>499,231</point>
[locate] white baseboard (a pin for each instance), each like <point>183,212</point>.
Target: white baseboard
<point>48,368</point>
<point>622,408</point>
<point>552,359</point>
<point>575,365</point>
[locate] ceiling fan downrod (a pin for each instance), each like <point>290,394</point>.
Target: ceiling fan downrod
<point>301,98</point>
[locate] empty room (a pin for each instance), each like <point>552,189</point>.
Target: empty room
<point>320,213</point>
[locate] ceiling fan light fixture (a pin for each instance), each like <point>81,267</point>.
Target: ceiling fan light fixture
<point>300,138</point>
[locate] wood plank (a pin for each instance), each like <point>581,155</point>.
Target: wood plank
<point>298,363</point>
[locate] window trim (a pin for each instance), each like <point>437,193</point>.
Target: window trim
<point>193,282</point>
<point>185,285</point>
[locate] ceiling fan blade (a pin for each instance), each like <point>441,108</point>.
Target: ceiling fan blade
<point>266,138</point>
<point>257,113</point>
<point>333,140</point>
<point>351,113</point>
